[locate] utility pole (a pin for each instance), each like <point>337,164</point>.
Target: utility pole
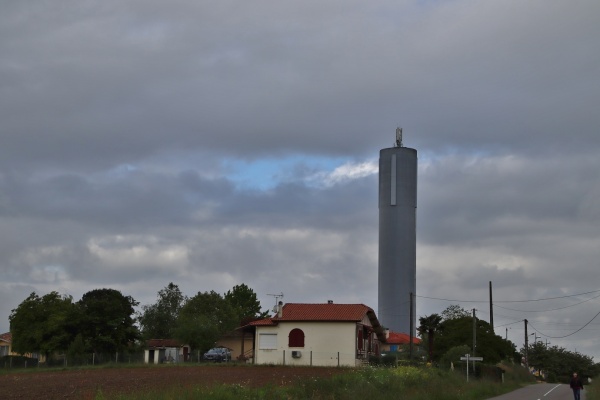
<point>526,346</point>
<point>491,308</point>
<point>474,336</point>
<point>412,328</point>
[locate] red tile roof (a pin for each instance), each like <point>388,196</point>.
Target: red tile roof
<point>7,337</point>
<point>400,338</point>
<point>162,343</point>
<point>328,312</point>
<point>262,322</point>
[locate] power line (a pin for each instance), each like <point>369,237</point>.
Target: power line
<point>548,298</point>
<point>508,301</point>
<point>453,300</point>
<point>554,309</point>
<point>570,334</point>
<point>510,323</point>
<point>531,300</point>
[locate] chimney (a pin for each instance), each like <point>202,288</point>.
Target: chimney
<point>280,309</point>
<point>387,333</point>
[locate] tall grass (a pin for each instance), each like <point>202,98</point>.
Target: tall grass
<point>415,383</point>
<point>592,392</point>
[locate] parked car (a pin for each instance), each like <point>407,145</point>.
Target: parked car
<point>217,354</point>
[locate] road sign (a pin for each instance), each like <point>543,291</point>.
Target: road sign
<point>468,358</point>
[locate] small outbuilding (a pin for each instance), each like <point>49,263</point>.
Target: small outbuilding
<point>160,351</point>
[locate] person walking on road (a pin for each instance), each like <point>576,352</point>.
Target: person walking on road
<point>577,386</point>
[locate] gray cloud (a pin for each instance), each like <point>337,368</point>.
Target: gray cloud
<point>120,122</point>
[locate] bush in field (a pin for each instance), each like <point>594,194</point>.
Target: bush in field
<point>453,356</point>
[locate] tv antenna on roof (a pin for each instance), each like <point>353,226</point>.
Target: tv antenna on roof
<point>277,297</point>
<point>398,137</point>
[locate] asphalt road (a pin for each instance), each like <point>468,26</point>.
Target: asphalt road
<point>541,391</point>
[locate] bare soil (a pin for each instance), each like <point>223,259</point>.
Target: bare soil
<point>85,383</point>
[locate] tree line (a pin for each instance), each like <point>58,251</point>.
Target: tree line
<point>449,336</point>
<point>104,321</point>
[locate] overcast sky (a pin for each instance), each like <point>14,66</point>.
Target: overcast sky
<point>210,144</point>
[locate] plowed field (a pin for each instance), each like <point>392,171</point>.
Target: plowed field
<point>85,383</point>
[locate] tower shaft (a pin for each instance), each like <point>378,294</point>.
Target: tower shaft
<point>397,237</point>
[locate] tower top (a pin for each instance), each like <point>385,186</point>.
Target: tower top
<point>399,137</point>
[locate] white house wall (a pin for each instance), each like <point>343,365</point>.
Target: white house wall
<point>324,343</point>
<point>366,321</point>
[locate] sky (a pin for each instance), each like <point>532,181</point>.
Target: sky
<point>211,144</point>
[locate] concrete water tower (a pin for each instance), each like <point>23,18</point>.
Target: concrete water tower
<point>397,236</point>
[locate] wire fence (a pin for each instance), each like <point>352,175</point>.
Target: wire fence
<point>64,360</point>
<point>273,357</point>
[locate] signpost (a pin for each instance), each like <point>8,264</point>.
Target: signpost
<point>468,358</point>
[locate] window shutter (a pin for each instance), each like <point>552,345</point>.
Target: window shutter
<point>267,341</point>
<point>296,338</point>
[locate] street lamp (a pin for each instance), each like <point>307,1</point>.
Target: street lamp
<point>534,337</point>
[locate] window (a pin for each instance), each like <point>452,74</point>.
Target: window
<point>360,340</point>
<point>267,341</point>
<point>296,338</point>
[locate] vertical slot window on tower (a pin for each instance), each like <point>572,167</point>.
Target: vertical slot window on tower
<point>393,182</point>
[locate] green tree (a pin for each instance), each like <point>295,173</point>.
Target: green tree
<point>454,312</point>
<point>245,303</point>
<point>429,325</point>
<point>559,363</point>
<point>77,351</point>
<point>198,331</point>
<point>158,320</point>
<point>203,319</point>
<point>107,323</point>
<point>43,324</point>
<point>459,331</point>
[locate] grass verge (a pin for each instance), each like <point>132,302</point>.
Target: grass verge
<point>592,392</point>
<point>415,383</point>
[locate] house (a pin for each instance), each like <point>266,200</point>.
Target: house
<point>160,351</point>
<point>5,344</point>
<point>395,340</point>
<point>6,348</point>
<point>317,334</point>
